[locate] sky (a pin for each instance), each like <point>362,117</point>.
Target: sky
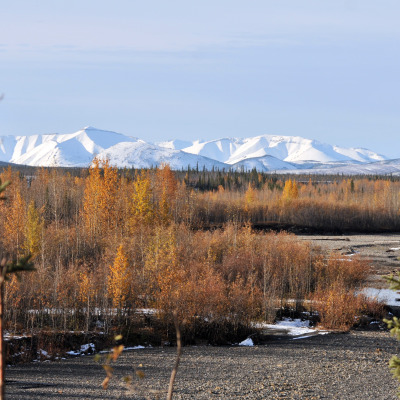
<point>179,69</point>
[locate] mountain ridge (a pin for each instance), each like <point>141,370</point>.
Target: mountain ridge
<point>263,152</point>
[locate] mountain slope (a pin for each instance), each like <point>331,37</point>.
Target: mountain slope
<point>263,164</point>
<point>387,167</point>
<point>220,150</point>
<point>78,150</point>
<point>292,149</point>
<point>143,155</point>
<point>69,150</point>
<point>264,153</point>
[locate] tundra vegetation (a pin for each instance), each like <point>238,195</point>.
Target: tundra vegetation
<point>108,244</point>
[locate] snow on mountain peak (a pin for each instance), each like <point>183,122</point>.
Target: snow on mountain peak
<point>285,148</point>
<point>263,152</point>
<point>175,144</point>
<point>71,149</point>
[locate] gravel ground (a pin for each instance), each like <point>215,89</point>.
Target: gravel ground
<point>333,366</point>
<point>383,250</point>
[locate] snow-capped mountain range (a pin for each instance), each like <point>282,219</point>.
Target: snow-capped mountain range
<point>264,152</point>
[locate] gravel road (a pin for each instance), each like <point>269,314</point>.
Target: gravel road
<point>334,366</point>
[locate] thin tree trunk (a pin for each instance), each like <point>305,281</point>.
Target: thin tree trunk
<point>178,357</point>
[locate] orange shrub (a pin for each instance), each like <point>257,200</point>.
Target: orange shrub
<point>339,308</point>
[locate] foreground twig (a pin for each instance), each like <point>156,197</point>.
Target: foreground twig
<point>178,357</point>
<point>108,359</point>
<point>117,351</point>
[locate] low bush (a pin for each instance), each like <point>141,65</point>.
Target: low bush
<point>340,308</point>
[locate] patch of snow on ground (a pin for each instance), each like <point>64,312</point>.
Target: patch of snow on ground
<point>134,348</point>
<point>86,347</point>
<point>146,311</point>
<point>83,350</point>
<point>126,348</point>
<point>43,353</point>
<point>10,336</point>
<point>73,353</point>
<point>248,342</point>
<point>302,337</point>
<point>395,248</point>
<point>386,296</point>
<point>293,327</point>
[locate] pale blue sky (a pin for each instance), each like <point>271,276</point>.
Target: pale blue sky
<point>327,70</point>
